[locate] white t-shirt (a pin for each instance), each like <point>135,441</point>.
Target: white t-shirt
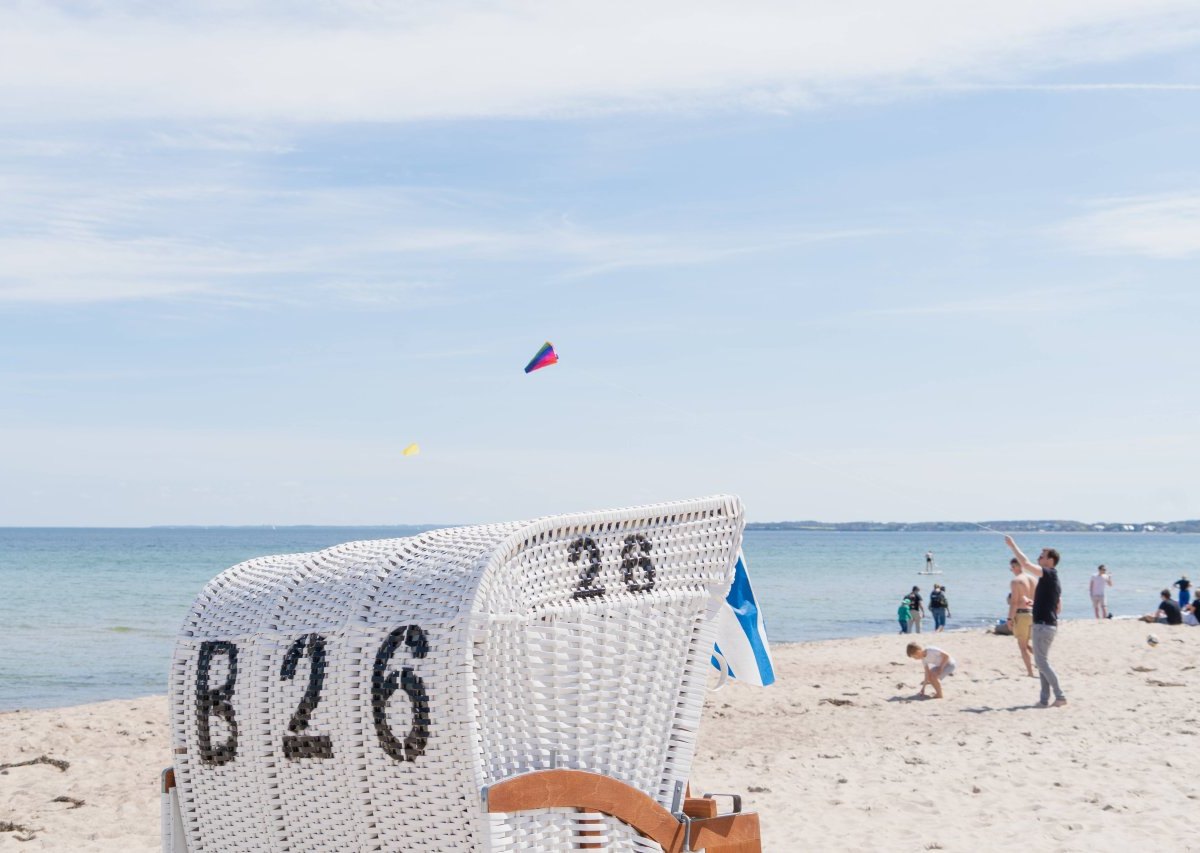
<point>1099,583</point>
<point>935,657</point>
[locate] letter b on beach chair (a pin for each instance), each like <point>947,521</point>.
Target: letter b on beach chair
<point>533,686</point>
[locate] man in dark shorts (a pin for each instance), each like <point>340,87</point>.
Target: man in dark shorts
<point>1047,602</point>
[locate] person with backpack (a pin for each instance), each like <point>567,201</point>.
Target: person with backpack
<point>939,606</point>
<point>917,607</point>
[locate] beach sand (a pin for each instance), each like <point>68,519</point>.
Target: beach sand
<point>837,756</point>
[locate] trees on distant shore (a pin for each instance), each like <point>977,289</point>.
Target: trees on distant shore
<point>1191,526</point>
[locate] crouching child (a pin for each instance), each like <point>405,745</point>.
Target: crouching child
<point>938,665</point>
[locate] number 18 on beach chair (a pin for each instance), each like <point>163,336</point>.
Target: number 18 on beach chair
<point>531,686</point>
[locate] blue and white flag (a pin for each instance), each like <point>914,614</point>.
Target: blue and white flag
<point>741,637</point>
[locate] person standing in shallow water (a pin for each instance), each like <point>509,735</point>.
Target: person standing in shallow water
<point>1098,589</point>
<point>917,606</point>
<point>1185,591</point>
<point>939,606</point>
<point>1047,602</point>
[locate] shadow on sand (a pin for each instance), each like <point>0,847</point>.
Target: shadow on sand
<point>988,709</point>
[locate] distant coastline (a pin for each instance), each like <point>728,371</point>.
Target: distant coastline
<point>1026,526</point>
<point>1018,526</point>
<point>1010,526</point>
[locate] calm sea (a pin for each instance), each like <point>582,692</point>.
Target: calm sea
<point>91,614</point>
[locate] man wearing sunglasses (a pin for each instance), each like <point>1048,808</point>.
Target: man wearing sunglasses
<point>1047,602</point>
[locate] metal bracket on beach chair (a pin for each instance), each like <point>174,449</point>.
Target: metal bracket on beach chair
<point>737,801</point>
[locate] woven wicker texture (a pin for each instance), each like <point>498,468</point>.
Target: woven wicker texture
<point>361,697</point>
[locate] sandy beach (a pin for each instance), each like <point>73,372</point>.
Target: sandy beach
<point>837,756</point>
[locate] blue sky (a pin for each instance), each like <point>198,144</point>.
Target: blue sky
<point>848,262</point>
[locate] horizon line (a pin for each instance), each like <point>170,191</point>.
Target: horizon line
<point>439,525</point>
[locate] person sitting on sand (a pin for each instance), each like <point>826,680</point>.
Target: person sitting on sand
<point>938,665</point>
<point>1191,614</point>
<point>1168,611</point>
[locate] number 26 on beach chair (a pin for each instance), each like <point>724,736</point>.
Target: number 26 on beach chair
<point>530,686</point>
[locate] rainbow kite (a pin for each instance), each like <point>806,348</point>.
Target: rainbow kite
<point>545,357</point>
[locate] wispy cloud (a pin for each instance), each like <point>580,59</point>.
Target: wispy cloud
<point>228,138</point>
<point>1067,88</point>
<point>368,246</point>
<point>78,269</point>
<point>1155,226</point>
<point>1046,300</point>
<point>389,61</point>
<point>615,252</point>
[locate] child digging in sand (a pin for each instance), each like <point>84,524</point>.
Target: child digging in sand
<point>938,665</point>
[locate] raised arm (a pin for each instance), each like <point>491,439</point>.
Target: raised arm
<point>1033,568</point>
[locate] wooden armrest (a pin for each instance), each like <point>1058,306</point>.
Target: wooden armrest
<point>579,789</point>
<point>730,833</point>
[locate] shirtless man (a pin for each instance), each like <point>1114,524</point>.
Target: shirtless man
<point>1047,604</point>
<point>1020,611</point>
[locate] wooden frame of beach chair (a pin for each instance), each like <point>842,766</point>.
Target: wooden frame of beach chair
<point>532,686</point>
<point>693,825</point>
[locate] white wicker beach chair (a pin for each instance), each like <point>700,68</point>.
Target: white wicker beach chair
<point>533,686</point>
